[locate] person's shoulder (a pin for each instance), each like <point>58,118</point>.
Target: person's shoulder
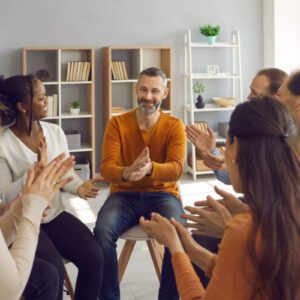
<point>166,118</point>
<point>124,118</point>
<point>50,126</point>
<point>47,125</point>
<point>239,228</point>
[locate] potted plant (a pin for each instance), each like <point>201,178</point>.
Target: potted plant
<point>75,109</point>
<point>199,88</point>
<point>210,32</point>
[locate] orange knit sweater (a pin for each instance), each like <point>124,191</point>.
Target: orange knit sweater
<point>232,273</point>
<point>123,142</point>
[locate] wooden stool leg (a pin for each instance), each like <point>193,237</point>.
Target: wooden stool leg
<point>124,257</point>
<point>156,252</point>
<point>69,285</point>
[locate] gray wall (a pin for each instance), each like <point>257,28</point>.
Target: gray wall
<point>99,23</point>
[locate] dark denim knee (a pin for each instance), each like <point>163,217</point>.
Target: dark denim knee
<point>104,235</point>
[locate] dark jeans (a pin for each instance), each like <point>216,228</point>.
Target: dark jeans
<point>66,236</point>
<point>211,244</point>
<point>43,281</point>
<point>120,212</point>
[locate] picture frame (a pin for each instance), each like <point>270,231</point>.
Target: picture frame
<point>212,70</point>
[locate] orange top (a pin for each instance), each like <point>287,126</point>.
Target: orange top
<point>233,275</point>
<point>123,142</point>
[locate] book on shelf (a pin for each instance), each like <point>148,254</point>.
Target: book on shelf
<point>119,63</point>
<point>50,106</point>
<point>116,68</point>
<point>55,105</point>
<point>71,71</point>
<point>78,71</point>
<point>118,109</point>
<point>84,70</point>
<point>75,71</point>
<point>68,71</point>
<point>88,71</point>
<point>119,71</point>
<point>113,71</point>
<point>124,70</point>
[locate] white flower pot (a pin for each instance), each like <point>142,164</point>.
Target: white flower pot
<point>74,111</point>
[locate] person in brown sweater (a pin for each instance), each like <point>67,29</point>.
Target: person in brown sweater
<point>258,256</point>
<point>142,157</point>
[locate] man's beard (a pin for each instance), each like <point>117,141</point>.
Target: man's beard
<point>148,111</point>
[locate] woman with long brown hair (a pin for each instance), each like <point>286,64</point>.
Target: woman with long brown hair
<point>258,256</point>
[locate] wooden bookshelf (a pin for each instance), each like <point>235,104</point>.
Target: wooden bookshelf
<point>55,60</point>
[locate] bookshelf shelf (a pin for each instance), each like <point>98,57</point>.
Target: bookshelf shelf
<point>82,114</point>
<point>196,56</point>
<point>57,62</point>
<point>119,92</point>
<point>75,82</point>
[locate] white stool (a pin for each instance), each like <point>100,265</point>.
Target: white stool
<point>137,234</point>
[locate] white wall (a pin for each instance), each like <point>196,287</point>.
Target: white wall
<point>102,23</point>
<point>281,34</point>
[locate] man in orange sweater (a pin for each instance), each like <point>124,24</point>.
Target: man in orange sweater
<point>142,157</point>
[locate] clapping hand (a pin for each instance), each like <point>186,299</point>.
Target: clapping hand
<point>163,231</point>
<point>89,188</point>
<point>214,162</point>
<point>49,180</point>
<point>141,167</point>
<point>204,142</point>
<point>213,218</point>
<point>229,201</point>
<point>208,222</point>
<point>42,157</point>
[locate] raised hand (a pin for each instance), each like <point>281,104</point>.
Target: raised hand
<point>42,157</point>
<point>141,167</point>
<point>89,188</point>
<point>231,203</point>
<point>49,181</point>
<point>204,142</point>
<point>214,162</point>
<point>198,255</point>
<point>163,231</point>
<point>208,222</point>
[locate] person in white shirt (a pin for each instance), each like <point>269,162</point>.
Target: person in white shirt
<point>62,234</point>
<point>20,226</point>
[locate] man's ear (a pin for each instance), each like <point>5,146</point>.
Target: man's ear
<point>166,92</point>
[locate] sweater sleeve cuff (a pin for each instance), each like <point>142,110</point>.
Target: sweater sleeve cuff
<point>33,207</point>
<point>211,267</point>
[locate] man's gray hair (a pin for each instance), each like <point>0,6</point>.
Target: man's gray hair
<point>153,72</point>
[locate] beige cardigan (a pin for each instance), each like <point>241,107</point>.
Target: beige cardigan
<point>19,227</point>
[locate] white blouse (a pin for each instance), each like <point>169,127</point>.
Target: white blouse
<point>16,158</point>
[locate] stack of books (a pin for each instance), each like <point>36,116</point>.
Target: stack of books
<point>52,106</point>
<point>118,110</point>
<point>119,71</point>
<point>78,71</point>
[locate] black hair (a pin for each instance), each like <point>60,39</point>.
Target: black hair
<point>294,84</point>
<point>13,90</point>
